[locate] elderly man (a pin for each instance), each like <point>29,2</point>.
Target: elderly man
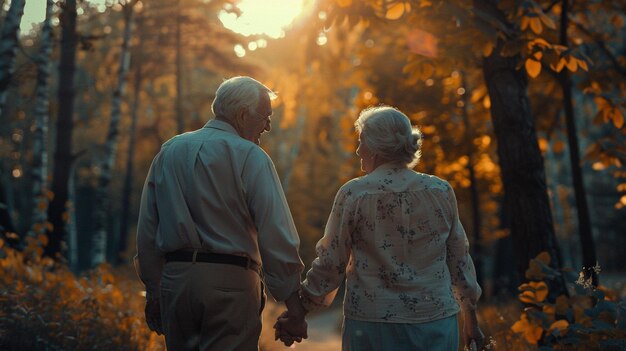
<point>213,216</point>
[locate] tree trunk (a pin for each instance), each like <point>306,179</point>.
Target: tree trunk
<point>63,158</point>
<point>180,117</point>
<point>72,230</point>
<point>102,197</point>
<point>475,198</point>
<point>132,137</point>
<point>584,223</point>
<point>8,46</point>
<point>526,201</point>
<point>6,221</point>
<point>40,134</point>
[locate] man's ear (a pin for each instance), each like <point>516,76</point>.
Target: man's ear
<point>239,119</point>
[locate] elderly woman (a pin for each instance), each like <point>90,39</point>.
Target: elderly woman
<point>395,236</point>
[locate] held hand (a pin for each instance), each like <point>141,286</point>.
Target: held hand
<point>290,328</point>
<point>153,315</point>
<point>472,333</point>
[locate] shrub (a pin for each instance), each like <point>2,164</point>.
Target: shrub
<point>44,306</point>
<point>588,319</point>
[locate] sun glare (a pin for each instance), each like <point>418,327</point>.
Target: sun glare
<point>269,17</point>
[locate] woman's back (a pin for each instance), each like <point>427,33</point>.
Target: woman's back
<point>399,231</point>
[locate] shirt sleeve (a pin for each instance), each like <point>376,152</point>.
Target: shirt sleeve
<point>277,235</point>
<point>149,260</point>
<point>462,272</point>
<point>333,254</point>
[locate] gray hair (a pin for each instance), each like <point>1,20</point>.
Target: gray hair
<point>388,132</point>
<point>236,93</point>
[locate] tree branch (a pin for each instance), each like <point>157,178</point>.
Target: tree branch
<point>602,45</point>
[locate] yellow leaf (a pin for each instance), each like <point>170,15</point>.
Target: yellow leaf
<point>344,3</point>
<point>535,25</point>
<point>533,67</point>
<point>395,11</point>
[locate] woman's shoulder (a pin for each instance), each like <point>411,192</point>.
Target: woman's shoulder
<point>432,181</point>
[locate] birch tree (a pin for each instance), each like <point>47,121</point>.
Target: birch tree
<point>99,248</point>
<point>132,138</point>
<point>40,133</point>
<point>8,46</point>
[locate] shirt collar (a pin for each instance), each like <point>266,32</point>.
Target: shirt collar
<point>390,166</point>
<point>221,125</point>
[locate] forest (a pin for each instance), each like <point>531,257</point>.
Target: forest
<point>521,103</point>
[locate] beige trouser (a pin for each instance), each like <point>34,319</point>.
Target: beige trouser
<point>209,306</point>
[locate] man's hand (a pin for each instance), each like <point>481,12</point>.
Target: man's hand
<point>471,331</point>
<point>153,315</point>
<point>290,328</point>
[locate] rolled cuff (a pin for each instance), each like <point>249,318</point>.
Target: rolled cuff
<point>281,289</point>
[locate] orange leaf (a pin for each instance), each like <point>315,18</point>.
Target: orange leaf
<point>535,25</point>
<point>547,21</point>
<point>396,10</point>
<point>559,66</point>
<point>543,257</point>
<point>541,290</point>
<point>618,118</point>
<point>525,22</point>
<point>533,67</point>
<point>572,64</point>
<point>527,297</point>
<point>531,332</point>
<point>560,325</point>
<point>488,48</point>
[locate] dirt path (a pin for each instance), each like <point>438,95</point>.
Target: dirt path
<point>324,332</point>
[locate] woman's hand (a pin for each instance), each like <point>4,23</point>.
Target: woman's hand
<point>290,328</point>
<point>471,331</point>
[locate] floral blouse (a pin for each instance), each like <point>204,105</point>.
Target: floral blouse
<point>394,235</point>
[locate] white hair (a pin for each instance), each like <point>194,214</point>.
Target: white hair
<point>388,132</point>
<point>237,93</point>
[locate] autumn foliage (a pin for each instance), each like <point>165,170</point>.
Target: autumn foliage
<point>44,306</point>
<point>588,319</point>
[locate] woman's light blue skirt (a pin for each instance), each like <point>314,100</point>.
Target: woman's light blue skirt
<point>439,335</point>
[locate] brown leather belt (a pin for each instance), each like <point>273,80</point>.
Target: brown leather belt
<point>208,257</point>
